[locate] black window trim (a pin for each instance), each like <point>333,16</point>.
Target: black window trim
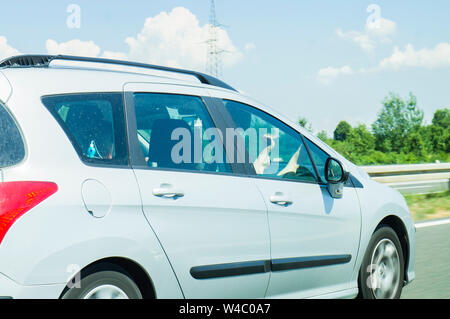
<point>22,136</point>
<point>352,181</point>
<point>220,119</point>
<point>304,139</point>
<point>71,138</point>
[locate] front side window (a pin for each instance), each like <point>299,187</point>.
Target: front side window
<point>177,132</point>
<point>95,124</point>
<point>274,149</point>
<point>12,149</point>
<point>319,158</point>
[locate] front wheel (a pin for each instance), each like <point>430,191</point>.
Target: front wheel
<point>382,270</point>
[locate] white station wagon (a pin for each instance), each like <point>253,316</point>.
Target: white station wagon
<point>128,180</point>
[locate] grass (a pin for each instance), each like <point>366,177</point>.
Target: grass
<point>429,206</point>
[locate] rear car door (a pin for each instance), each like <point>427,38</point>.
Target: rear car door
<point>314,237</point>
<point>212,225</point>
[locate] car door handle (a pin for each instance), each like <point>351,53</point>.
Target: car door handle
<point>167,191</point>
<point>281,199</point>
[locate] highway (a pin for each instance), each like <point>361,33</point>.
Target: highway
<point>432,264</point>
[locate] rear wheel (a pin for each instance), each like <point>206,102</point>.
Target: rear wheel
<point>106,281</point>
<point>382,271</point>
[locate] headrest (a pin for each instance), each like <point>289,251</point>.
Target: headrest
<point>161,144</point>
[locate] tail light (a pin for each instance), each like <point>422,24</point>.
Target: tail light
<point>16,198</point>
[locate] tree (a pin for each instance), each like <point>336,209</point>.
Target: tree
<point>361,140</point>
<point>323,135</point>
<point>342,130</point>
<point>439,131</point>
<point>442,118</point>
<point>396,121</point>
<point>415,144</point>
<point>303,122</point>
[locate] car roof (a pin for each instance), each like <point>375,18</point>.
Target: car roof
<point>65,61</point>
<point>59,80</point>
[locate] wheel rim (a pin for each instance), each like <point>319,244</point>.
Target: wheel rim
<point>106,292</point>
<point>385,270</point>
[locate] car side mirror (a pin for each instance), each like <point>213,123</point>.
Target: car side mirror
<point>335,176</point>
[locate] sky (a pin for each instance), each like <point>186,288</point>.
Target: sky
<point>323,60</point>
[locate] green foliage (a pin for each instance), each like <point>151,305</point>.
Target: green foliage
<point>342,130</point>
<point>303,122</point>
<point>361,139</point>
<point>414,143</point>
<point>395,122</point>
<point>441,118</point>
<point>397,137</point>
<point>323,135</point>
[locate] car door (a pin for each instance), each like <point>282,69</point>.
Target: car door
<point>212,225</point>
<point>314,237</point>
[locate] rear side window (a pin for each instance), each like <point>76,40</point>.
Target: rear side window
<point>95,124</point>
<point>12,149</point>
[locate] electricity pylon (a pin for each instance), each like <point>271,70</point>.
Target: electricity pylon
<point>213,59</point>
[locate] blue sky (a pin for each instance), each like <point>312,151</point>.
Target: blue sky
<point>316,59</point>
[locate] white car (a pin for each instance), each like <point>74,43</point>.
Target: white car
<point>127,180</point>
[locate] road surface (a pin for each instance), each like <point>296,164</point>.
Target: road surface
<point>432,262</point>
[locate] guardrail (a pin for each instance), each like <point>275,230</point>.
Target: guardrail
<point>412,178</point>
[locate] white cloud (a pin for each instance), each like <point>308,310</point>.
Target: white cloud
<point>5,49</point>
<point>249,47</point>
<point>114,55</point>
<point>384,29</point>
<point>360,38</point>
<point>177,39</point>
<point>372,35</point>
<point>173,39</point>
<point>327,75</point>
<point>437,57</point>
<point>73,47</point>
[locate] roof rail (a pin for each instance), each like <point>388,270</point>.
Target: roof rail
<point>44,61</point>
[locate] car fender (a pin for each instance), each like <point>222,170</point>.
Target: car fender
<point>387,202</point>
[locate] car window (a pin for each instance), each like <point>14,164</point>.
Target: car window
<point>319,158</point>
<point>12,149</point>
<point>177,132</point>
<point>274,149</point>
<point>94,123</point>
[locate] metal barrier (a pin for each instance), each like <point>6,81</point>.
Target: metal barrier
<point>412,178</point>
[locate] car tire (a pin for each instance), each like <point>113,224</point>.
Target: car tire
<point>381,274</point>
<point>104,281</point>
